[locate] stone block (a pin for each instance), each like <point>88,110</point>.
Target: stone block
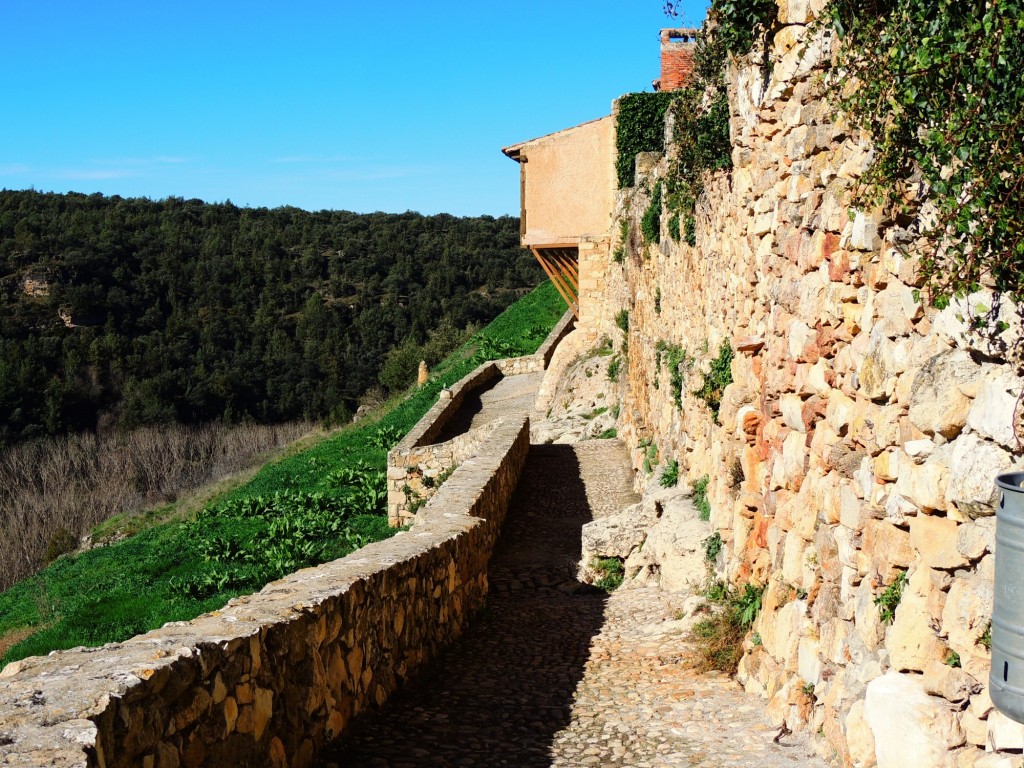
<point>910,728</point>
<point>935,539</point>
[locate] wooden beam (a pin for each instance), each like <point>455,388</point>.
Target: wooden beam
<point>565,264</point>
<point>562,290</point>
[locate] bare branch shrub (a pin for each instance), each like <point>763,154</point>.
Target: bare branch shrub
<point>53,486</point>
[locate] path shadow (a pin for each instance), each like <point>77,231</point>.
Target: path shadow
<point>460,422</point>
<point>499,695</point>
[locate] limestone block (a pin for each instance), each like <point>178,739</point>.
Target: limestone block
<point>992,412</point>
<point>792,412</point>
<point>966,615</point>
<point>877,372</point>
<point>975,729</point>
<point>865,231</point>
<point>809,664</point>
<point>1004,733</point>
<point>976,538</point>
<point>995,760</point>
<point>919,450</point>
<point>981,703</point>
<point>794,11</point>
<point>674,545</point>
<point>801,341</point>
<point>617,535</point>
<point>950,683</point>
<point>867,618</point>
<point>910,728</point>
<point>794,456</point>
<point>780,632</point>
<point>885,550</point>
<point>911,641</point>
<point>938,405</point>
<point>935,539</point>
<point>924,485</point>
<point>859,739</point>
<point>898,509</point>
<point>973,467</point>
<point>840,411</point>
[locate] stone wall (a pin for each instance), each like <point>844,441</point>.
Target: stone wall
<point>859,438</point>
<point>417,464</point>
<point>272,676</point>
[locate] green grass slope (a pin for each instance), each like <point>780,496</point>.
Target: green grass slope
<point>308,508</point>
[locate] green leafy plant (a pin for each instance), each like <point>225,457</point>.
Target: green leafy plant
<point>670,475</point>
<point>650,224</point>
<point>614,366</point>
<point>608,434</point>
<point>737,22</point>
<point>986,637</point>
<point>650,454</point>
<point>718,639</point>
<point>712,547</point>
<point>622,320</point>
<point>890,597</point>
<point>657,300</point>
<point>611,572</point>
<point>673,227</point>
<point>639,127</point>
<point>952,659</point>
<point>619,254</point>
<point>679,365</point>
<point>937,87</point>
<point>699,489</point>
<point>717,378</point>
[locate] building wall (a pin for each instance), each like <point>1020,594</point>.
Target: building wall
<point>568,184</point>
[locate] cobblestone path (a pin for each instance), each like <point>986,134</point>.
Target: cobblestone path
<point>556,673</point>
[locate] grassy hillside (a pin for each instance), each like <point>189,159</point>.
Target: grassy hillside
<point>313,506</point>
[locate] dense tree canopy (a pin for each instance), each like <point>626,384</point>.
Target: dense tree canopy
<point>130,311</point>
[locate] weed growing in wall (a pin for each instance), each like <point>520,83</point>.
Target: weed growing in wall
<point>718,639</point>
<point>673,227</point>
<point>650,224</point>
<point>699,489</point>
<point>670,475</point>
<point>890,598</point>
<point>717,379</point>
<point>611,573</point>
<point>619,254</point>
<point>679,365</point>
<point>712,547</point>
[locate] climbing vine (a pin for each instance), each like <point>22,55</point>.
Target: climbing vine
<point>937,85</point>
<point>639,127</point>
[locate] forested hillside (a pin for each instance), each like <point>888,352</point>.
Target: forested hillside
<point>121,312</point>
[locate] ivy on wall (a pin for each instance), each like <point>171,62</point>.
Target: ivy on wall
<point>640,127</point>
<point>937,85</point>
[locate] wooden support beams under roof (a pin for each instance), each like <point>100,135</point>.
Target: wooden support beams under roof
<point>561,264</point>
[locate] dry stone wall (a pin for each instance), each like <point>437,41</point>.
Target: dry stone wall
<point>859,440</point>
<point>271,677</point>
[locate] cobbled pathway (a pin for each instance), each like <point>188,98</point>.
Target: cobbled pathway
<point>558,673</point>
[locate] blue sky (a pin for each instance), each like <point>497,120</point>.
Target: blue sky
<point>363,106</point>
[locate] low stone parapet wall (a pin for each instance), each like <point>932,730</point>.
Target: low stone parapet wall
<point>417,465</point>
<point>270,678</point>
<point>541,359</point>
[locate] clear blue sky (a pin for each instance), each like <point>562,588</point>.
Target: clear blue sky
<point>364,106</point>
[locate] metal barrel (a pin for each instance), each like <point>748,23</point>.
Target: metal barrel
<point>1006,677</point>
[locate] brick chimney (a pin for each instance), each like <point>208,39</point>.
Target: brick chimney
<point>676,58</point>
